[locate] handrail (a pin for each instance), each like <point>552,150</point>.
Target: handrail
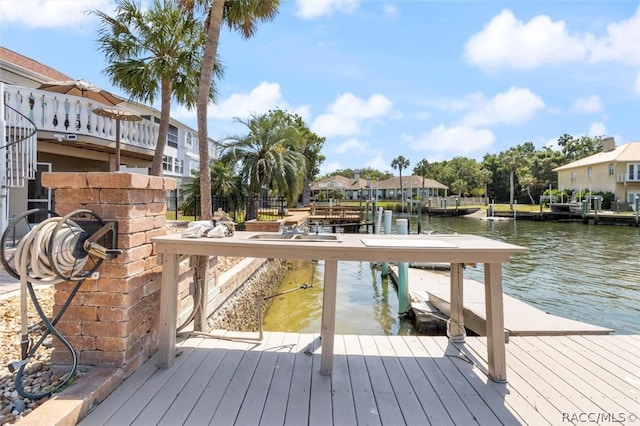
<point>21,148</point>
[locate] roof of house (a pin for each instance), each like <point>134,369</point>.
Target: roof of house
<point>31,65</point>
<point>412,181</point>
<point>624,153</point>
<point>344,183</point>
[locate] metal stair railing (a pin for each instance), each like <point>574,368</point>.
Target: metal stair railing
<point>21,147</point>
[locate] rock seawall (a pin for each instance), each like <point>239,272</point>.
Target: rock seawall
<point>240,311</point>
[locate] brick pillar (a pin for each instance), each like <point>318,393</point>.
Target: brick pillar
<point>113,321</point>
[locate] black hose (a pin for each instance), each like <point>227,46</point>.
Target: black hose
<point>50,329</point>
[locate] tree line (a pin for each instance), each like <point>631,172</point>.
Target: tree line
<point>521,173</point>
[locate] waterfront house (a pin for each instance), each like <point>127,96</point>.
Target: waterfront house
<point>615,169</point>
<point>388,189</point>
<point>50,131</point>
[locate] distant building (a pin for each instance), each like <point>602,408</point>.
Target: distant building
<point>388,189</point>
<point>50,131</point>
<point>616,169</point>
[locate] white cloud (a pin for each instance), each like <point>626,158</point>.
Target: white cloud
<point>50,14</point>
<point>309,9</point>
<point>346,114</point>
<point>587,105</point>
<point>378,163</point>
<point>514,106</point>
<point>351,145</point>
<point>506,42</point>
<point>597,129</point>
<point>636,86</point>
<point>262,98</point>
<point>459,140</point>
<point>621,42</point>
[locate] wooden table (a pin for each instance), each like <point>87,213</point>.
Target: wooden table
<point>451,248</point>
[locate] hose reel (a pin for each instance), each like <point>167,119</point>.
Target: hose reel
<point>58,249</point>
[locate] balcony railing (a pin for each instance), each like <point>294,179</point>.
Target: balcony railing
<point>67,114</point>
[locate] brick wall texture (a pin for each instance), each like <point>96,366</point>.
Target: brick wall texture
<point>113,321</point>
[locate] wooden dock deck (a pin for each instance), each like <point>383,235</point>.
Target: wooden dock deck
<point>382,380</point>
<point>520,318</point>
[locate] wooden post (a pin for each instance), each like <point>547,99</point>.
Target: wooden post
<point>495,321</point>
<point>328,327</point>
<point>456,325</point>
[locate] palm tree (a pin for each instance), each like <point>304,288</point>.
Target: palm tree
<point>400,163</point>
<point>224,183</point>
<point>421,169</point>
<point>153,50</point>
<point>242,16</point>
<point>268,158</point>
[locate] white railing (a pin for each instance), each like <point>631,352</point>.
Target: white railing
<point>73,115</point>
<point>21,148</point>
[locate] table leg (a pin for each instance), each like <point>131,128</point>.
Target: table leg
<point>456,325</point>
<point>495,321</point>
<point>327,330</point>
<point>168,310</point>
<point>202,272</point>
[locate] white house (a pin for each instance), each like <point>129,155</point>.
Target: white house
<point>50,131</point>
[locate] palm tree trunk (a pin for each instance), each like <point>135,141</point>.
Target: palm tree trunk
<point>204,85</point>
<point>163,131</point>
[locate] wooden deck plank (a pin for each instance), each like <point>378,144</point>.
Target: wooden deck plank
<point>412,411</point>
<point>562,376</point>
<point>184,402</point>
<point>213,392</point>
<point>481,412</point>
<point>344,411</point>
<point>422,387</point>
<point>531,386</point>
<point>363,398</point>
<point>299,392</point>
<point>101,414</point>
<point>156,407</point>
<point>132,407</point>
<point>275,405</point>
<point>609,365</point>
<point>450,399</point>
<point>388,407</point>
<point>626,357</point>
<point>320,401</point>
<point>377,380</point>
<point>509,406</point>
<point>597,377</point>
<point>234,396</point>
<point>251,408</point>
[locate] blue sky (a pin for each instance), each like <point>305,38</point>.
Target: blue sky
<point>424,79</point>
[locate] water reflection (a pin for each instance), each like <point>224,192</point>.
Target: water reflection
<point>584,272</point>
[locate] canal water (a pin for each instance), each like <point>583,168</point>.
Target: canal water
<point>589,273</point>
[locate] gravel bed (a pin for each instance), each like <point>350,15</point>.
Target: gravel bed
<point>38,375</point>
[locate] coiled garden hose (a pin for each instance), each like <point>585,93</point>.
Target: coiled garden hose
<point>56,250</point>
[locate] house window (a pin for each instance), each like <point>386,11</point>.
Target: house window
<point>589,172</point>
<point>612,170</point>
<point>573,176</point>
<point>167,163</point>
<point>634,172</point>
<point>172,136</point>
<point>179,166</point>
<point>194,167</point>
<point>188,140</point>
